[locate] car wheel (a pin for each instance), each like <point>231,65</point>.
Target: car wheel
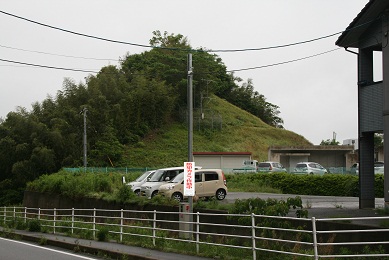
<point>154,193</point>
<point>220,194</point>
<point>137,192</point>
<point>311,173</point>
<point>177,196</point>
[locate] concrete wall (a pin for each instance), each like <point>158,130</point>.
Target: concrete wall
<point>227,162</point>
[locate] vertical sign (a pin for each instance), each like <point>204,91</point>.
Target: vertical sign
<point>189,184</point>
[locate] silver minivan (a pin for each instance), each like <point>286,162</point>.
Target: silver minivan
<point>310,168</point>
<point>135,185</point>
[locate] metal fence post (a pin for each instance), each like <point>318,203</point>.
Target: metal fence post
<point>5,214</point>
<point>154,226</point>
<point>25,214</point>
<point>121,225</point>
<point>39,213</point>
<point>253,236</point>
<point>72,220</point>
<point>14,212</point>
<point>55,215</point>
<point>94,223</point>
<point>198,233</point>
<point>314,234</point>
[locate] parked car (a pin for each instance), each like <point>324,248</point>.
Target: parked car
<point>135,185</point>
<point>161,176</point>
<point>208,183</point>
<point>271,167</point>
<point>309,168</point>
<point>354,168</point>
<point>378,168</point>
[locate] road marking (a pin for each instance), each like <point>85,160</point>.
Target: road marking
<point>48,249</point>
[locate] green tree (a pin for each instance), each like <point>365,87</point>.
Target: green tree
<point>329,142</point>
<point>107,150</point>
<point>145,92</point>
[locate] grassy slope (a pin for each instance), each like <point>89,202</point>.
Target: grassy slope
<point>241,132</point>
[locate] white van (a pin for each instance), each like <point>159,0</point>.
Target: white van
<point>161,176</point>
<point>135,185</point>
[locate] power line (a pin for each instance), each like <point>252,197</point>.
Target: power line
<point>48,67</point>
<point>284,62</point>
<point>235,70</point>
<point>53,54</point>
<point>180,49</point>
<point>72,32</point>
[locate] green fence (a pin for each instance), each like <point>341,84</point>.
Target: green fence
<point>107,169</point>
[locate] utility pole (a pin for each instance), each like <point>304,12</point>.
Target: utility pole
<point>190,129</point>
<point>84,140</point>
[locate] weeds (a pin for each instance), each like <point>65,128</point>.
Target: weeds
<point>103,234</point>
<point>34,225</point>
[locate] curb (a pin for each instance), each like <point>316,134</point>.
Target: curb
<point>95,251</point>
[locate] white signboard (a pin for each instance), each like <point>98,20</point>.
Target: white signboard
<point>189,183</point>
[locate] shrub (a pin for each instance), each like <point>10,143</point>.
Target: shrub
<point>103,234</point>
<point>124,193</point>
<point>34,225</point>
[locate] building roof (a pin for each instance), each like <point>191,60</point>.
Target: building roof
<point>222,153</point>
<point>369,15</point>
<point>291,149</point>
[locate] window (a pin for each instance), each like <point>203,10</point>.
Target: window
<point>211,176</point>
<point>264,165</point>
<point>198,177</point>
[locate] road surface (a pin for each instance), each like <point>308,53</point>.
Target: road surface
<point>16,250</point>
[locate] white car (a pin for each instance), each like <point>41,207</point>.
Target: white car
<point>271,167</point>
<point>310,168</point>
<point>161,176</point>
<point>378,168</point>
<point>135,185</point>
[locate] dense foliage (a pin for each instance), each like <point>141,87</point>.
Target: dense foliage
<point>326,185</point>
<point>123,104</point>
<point>100,185</point>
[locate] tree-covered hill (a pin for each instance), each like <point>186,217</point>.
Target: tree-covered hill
<point>230,130</point>
<point>136,115</point>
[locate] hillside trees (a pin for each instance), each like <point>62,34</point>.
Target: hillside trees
<point>247,98</point>
<point>124,103</point>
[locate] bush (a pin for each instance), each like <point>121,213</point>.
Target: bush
<point>34,225</point>
<point>325,185</point>
<point>103,234</point>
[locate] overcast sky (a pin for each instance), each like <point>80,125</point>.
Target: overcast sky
<point>316,96</point>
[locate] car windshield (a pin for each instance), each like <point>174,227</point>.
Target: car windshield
<point>144,176</point>
<point>378,164</point>
<point>158,176</point>
<point>179,178</point>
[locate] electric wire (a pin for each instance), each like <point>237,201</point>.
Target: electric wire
<point>188,49</point>
<point>48,67</point>
<point>284,62</point>
<point>58,55</point>
<point>228,71</point>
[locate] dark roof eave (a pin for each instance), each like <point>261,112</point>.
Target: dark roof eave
<point>351,35</point>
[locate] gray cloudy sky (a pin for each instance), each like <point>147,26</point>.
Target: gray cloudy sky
<point>316,96</point>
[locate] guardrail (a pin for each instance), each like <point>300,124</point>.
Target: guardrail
<point>251,236</point>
